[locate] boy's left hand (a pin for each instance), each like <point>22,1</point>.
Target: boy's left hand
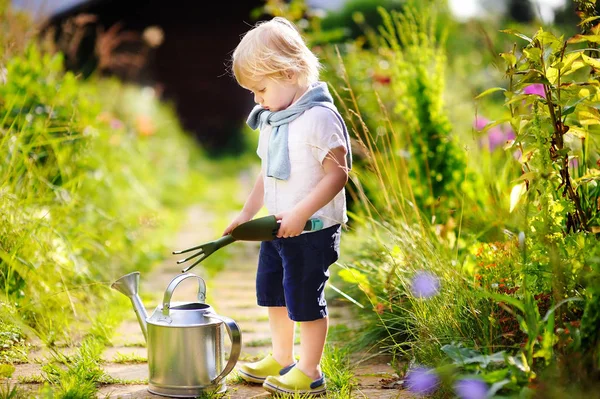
<point>292,224</point>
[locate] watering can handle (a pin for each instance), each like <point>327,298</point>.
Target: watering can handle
<point>236,345</point>
<point>175,282</point>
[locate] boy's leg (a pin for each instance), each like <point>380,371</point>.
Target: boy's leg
<point>270,294</point>
<point>306,260</point>
<point>312,342</point>
<point>282,335</point>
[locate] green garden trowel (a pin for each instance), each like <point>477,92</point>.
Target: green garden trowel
<point>261,229</point>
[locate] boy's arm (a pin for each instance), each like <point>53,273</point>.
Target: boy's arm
<point>252,205</point>
<point>336,177</point>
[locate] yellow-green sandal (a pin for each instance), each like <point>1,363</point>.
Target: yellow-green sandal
<point>258,371</point>
<point>295,381</point>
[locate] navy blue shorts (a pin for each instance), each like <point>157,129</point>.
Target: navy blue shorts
<point>292,272</point>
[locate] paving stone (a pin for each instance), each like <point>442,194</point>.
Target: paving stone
<point>128,372</point>
<point>26,370</point>
<point>110,354</point>
<point>126,391</point>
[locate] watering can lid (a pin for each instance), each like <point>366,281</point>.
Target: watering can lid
<point>184,314</point>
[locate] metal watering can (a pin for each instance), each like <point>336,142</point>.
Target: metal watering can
<point>185,341</point>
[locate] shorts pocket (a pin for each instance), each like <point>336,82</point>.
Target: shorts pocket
<point>327,239</point>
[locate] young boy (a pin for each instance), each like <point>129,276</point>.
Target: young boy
<point>305,153</point>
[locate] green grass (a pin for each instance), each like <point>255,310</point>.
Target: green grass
<point>135,345</point>
<point>12,391</point>
<point>234,378</point>
<point>32,379</point>
<point>247,357</point>
<point>129,358</point>
<point>108,380</point>
<point>258,343</point>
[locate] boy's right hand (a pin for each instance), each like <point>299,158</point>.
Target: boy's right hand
<point>239,219</point>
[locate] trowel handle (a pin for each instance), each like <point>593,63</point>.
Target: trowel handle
<point>174,283</point>
<point>313,225</point>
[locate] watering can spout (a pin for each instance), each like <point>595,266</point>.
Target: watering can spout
<point>128,285</point>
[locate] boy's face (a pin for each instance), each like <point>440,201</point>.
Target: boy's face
<point>276,95</point>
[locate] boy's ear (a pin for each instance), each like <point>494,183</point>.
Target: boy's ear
<point>291,75</point>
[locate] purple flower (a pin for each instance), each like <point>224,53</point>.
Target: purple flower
<point>421,381</point>
<point>425,285</point>
<point>480,122</point>
<point>536,88</point>
<point>469,388</point>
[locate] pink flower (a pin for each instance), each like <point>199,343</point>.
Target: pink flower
<point>496,137</point>
<point>536,88</point>
<point>517,154</point>
<point>116,124</point>
<point>573,163</point>
<point>480,122</point>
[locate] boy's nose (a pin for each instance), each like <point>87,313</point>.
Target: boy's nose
<point>257,99</point>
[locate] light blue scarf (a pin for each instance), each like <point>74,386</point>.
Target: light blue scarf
<point>278,157</point>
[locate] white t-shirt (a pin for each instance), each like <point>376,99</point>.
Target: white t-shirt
<point>310,138</point>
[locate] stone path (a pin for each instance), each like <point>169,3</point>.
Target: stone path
<point>231,293</point>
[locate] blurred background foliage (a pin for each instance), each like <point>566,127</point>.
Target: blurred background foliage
<point>476,162</point>
<point>95,179</point>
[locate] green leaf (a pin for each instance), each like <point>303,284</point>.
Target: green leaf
<point>593,62</point>
<point>523,324</point>
<point>515,195</point>
<point>547,39</point>
<point>490,91</point>
<point>459,354</point>
<point>516,33</point>
<point>550,312</point>
<point>6,370</point>
<point>587,20</point>
<point>502,298</point>
<point>496,386</point>
<point>567,62</point>
<point>518,98</point>
<point>354,276</point>
<point>533,76</point>
<point>584,38</point>
<point>509,58</point>
<point>568,110</point>
<point>578,132</point>
<point>495,375</point>
<point>528,176</point>
<point>492,124</point>
<point>520,364</point>
<point>534,53</point>
<point>588,116</point>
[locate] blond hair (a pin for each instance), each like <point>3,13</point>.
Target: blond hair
<point>272,49</point>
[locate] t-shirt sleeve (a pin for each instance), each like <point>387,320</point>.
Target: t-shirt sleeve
<point>327,132</point>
